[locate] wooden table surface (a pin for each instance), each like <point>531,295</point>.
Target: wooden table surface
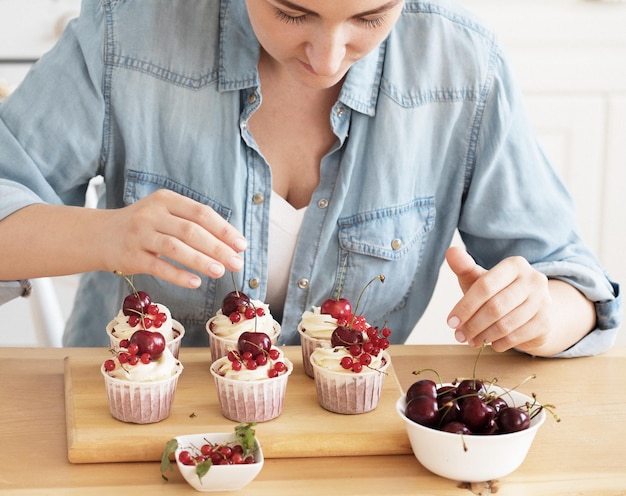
<point>585,453</point>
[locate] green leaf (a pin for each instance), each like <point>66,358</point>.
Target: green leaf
<point>245,435</point>
<point>170,447</point>
<point>203,468</point>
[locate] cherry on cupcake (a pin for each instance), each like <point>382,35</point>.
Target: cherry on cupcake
<point>255,343</point>
<point>149,342</point>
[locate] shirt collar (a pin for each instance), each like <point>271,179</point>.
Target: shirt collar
<point>239,55</point>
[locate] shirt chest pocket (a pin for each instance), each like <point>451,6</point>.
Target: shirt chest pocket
<point>388,241</point>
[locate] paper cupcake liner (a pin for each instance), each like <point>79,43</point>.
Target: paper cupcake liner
<point>309,344</point>
<point>140,402</point>
<point>348,392</point>
<point>173,345</point>
<point>221,346</point>
<point>251,401</point>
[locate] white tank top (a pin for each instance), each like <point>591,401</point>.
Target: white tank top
<point>285,224</point>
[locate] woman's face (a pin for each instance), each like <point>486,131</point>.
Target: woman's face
<point>316,41</point>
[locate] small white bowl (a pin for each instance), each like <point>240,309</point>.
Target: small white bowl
<point>486,458</point>
<point>219,477</point>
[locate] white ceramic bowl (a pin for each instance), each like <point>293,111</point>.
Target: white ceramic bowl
<point>487,457</point>
<point>219,477</point>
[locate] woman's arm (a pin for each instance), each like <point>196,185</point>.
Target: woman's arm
<point>49,240</point>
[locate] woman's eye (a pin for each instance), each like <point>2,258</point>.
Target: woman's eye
<point>372,23</point>
<point>289,19</point>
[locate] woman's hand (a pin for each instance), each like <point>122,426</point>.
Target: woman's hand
<point>514,306</point>
<point>165,226</point>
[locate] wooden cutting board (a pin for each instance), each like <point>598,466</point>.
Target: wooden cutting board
<point>304,429</point>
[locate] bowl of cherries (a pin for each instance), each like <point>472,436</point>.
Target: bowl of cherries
<point>222,461</point>
<point>470,430</point>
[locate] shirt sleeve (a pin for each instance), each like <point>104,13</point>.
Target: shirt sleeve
<point>10,290</point>
<point>62,98</point>
<point>516,204</point>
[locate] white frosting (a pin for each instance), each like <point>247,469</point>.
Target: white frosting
<point>330,359</point>
<point>221,326</point>
<point>224,367</point>
<point>162,368</point>
<point>120,328</point>
<point>317,324</point>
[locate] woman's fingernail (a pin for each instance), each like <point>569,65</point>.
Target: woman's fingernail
<point>459,336</point>
<point>216,269</point>
<point>236,263</point>
<point>453,322</point>
<point>195,282</point>
<point>240,244</point>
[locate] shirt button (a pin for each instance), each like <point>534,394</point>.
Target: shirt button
<point>258,199</point>
<point>254,283</point>
<point>396,244</point>
<point>252,98</point>
<point>244,125</point>
<point>340,111</point>
<point>323,203</point>
<point>303,283</point>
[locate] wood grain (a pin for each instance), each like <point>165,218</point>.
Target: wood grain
<point>304,429</point>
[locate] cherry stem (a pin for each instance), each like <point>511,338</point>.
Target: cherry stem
<point>418,372</point>
<point>482,347</point>
<point>381,278</point>
<point>232,276</point>
<point>129,280</point>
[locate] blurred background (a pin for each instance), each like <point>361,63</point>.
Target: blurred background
<point>570,59</point>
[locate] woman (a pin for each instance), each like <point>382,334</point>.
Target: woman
<point>299,144</point>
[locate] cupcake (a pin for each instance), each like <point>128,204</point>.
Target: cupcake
<point>251,381</point>
<point>315,329</point>
<point>349,376</point>
<point>141,379</point>
<point>139,312</point>
<point>317,325</point>
<point>237,315</point>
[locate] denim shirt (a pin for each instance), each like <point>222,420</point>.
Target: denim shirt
<point>431,137</point>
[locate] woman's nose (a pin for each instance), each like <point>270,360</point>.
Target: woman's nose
<point>326,52</point>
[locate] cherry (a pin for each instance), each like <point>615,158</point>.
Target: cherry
<point>511,419</point>
<point>475,413</point>
<point>423,410</point>
<point>456,427</point>
<point>149,342</point>
<point>469,387</point>
<point>424,387</point>
<point>255,343</point>
<point>344,336</point>
<point>233,301</point>
<point>136,303</point>
<point>337,308</point>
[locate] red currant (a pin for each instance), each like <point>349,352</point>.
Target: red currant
<point>109,365</point>
<point>260,312</point>
<point>250,313</point>
<point>185,458</point>
<point>274,354</point>
<point>346,362</point>
<point>145,358</point>
<point>133,320</point>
